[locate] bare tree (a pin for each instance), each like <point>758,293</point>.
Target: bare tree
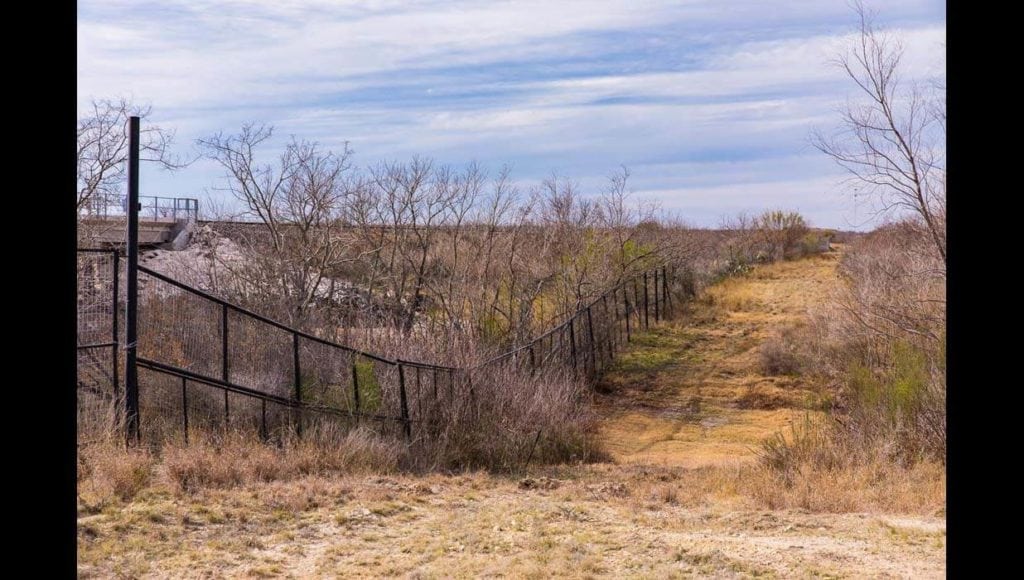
<point>894,141</point>
<point>301,203</point>
<point>621,217</point>
<point>103,149</point>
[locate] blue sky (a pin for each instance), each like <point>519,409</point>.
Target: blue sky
<point>709,103</point>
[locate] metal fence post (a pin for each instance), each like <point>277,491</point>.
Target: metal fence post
<point>184,406</point>
<point>403,402</point>
<point>264,435</point>
<point>131,371</point>
<point>298,383</point>
<point>355,383</point>
<point>224,358</point>
<point>224,342</point>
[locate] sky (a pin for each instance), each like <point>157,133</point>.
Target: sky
<point>709,103</point>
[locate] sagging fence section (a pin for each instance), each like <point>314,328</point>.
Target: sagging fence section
<point>204,363</point>
<point>203,353</point>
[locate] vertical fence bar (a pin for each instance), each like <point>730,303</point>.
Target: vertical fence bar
<point>402,401</point>
<point>533,361</point>
<point>224,358</point>
<point>131,371</point>
<point>184,406</point>
<point>435,384</point>
<point>264,435</point>
<point>355,383</point>
<point>298,383</point>
<point>116,357</point>
<point>224,342</point>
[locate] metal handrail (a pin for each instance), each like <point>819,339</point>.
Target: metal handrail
<point>151,207</point>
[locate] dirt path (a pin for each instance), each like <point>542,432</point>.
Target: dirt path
<point>692,393</point>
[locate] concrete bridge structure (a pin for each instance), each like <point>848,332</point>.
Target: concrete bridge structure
<point>164,222</point>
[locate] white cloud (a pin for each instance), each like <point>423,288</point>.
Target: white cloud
<point>753,80</point>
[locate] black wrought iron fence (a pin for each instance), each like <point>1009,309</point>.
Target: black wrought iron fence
<point>588,340</point>
<point>208,364</point>
<point>261,366</point>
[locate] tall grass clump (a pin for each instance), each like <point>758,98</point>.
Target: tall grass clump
<point>510,419</point>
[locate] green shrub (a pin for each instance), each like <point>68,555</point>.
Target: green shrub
<point>899,404</point>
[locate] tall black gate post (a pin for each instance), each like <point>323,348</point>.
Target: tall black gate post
<point>131,372</point>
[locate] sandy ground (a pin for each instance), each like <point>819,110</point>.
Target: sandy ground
<point>683,412</point>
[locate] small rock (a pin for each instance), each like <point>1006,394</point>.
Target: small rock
<point>539,483</point>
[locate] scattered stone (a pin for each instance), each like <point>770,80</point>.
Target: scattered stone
<point>615,489</point>
<point>539,483</point>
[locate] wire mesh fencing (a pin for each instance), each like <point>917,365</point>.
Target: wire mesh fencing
<point>99,383</point>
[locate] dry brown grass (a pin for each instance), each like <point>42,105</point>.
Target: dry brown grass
<point>780,355</point>
<point>106,471</point>
<point>212,463</point>
<point>599,520</point>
